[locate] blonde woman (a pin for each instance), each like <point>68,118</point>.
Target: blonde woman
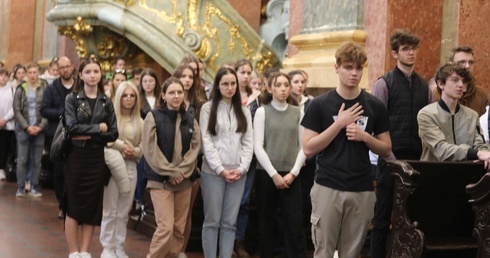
<point>117,203</point>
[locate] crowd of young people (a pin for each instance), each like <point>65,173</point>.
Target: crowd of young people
<point>243,131</point>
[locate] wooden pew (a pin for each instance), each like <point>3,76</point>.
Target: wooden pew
<point>480,200</point>
<point>432,215</point>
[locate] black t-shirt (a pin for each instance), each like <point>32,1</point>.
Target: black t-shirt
<point>344,165</point>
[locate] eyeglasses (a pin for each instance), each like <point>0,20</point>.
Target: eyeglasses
<point>466,62</point>
<point>64,67</point>
<point>407,49</point>
<point>128,96</point>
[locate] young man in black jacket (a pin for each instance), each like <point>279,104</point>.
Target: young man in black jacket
<point>53,106</point>
<point>404,93</point>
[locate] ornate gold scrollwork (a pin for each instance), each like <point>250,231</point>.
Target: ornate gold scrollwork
<point>126,2</point>
<point>262,62</point>
<point>111,46</point>
<point>211,31</point>
<point>207,46</point>
<point>76,32</point>
<point>174,18</point>
<point>192,14</point>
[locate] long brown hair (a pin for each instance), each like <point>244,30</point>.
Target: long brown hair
<point>165,86</point>
<point>195,98</point>
<point>200,93</point>
<point>267,97</point>
<point>156,91</point>
<point>241,63</point>
<point>236,103</point>
<point>79,84</point>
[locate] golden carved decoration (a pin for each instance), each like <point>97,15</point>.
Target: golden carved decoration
<point>211,31</point>
<point>126,2</point>
<point>192,14</point>
<point>204,50</point>
<point>76,32</point>
<point>173,18</point>
<point>112,46</point>
<point>209,48</point>
<point>263,62</point>
<point>180,26</point>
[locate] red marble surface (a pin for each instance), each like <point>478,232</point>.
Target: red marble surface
<point>249,10</point>
<point>474,31</point>
<point>375,13</point>
<point>20,32</point>
<point>295,23</point>
<point>423,17</point>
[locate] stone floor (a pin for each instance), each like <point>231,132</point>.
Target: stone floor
<point>29,227</point>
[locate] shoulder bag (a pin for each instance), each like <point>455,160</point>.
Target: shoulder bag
<point>61,140</point>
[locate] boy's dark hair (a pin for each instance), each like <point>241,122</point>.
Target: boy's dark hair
<point>350,52</point>
<point>117,59</point>
<point>400,37</point>
<point>458,49</point>
<point>4,70</point>
<point>136,71</point>
<point>446,70</point>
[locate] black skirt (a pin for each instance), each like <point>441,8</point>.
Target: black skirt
<point>85,175</point>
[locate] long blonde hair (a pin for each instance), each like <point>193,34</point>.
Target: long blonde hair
<point>135,117</point>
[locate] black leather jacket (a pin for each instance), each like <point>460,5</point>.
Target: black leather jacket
<point>81,120</point>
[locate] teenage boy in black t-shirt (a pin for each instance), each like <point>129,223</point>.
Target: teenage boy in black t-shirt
<point>341,126</point>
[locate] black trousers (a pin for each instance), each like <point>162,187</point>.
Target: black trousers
<point>57,169</point>
<point>382,210</point>
<point>7,146</point>
<point>291,205</point>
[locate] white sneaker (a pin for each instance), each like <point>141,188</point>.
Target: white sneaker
<point>74,255</point>
<point>2,175</point>
<point>85,255</point>
<point>120,253</point>
<point>108,253</point>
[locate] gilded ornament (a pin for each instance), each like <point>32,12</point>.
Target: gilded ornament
<point>235,35</point>
<point>263,61</point>
<point>112,46</point>
<point>76,32</point>
<point>205,49</point>
<point>173,18</point>
<point>192,14</point>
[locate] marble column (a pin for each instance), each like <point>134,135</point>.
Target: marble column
<point>325,25</point>
<point>4,16</point>
<point>20,32</point>
<point>249,10</point>
<point>473,30</point>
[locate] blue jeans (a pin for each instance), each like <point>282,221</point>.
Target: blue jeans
<point>221,203</point>
<point>242,220</point>
<point>29,154</point>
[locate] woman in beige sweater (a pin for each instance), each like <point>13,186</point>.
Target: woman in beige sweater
<point>117,203</point>
<point>171,143</point>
